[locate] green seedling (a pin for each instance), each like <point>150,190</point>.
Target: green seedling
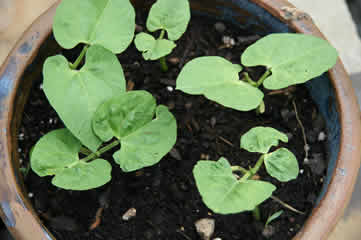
<point>171,16</point>
<point>225,193</point>
<point>93,103</point>
<point>289,59</point>
<point>273,217</point>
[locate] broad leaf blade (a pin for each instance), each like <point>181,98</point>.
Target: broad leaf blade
<point>53,152</point>
<point>123,114</point>
<point>144,41</point>
<point>84,176</point>
<point>261,139</point>
<point>149,144</point>
<point>217,79</point>
<point>153,49</point>
<point>223,193</point>
<point>292,58</point>
<point>110,23</point>
<point>75,95</point>
<point>282,165</point>
<point>170,15</point>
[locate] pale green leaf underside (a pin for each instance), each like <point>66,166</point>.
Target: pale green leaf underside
<point>282,165</point>
<point>123,114</point>
<point>273,217</point>
<point>170,15</point>
<point>223,193</point>
<point>217,79</point>
<point>292,58</point>
<point>75,95</point>
<point>149,144</point>
<point>53,152</point>
<point>152,48</point>
<point>84,176</point>
<point>261,139</point>
<point>110,23</point>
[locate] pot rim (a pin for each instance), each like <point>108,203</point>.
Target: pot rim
<point>15,207</point>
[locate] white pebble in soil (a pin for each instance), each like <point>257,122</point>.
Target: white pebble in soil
<point>170,89</point>
<point>30,195</point>
<point>130,213</point>
<point>228,41</point>
<point>205,228</point>
<point>217,238</point>
<point>322,136</point>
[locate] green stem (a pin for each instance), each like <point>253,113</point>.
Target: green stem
<point>79,59</point>
<point>240,169</point>
<point>85,151</point>
<point>162,60</point>
<point>256,214</point>
<point>258,165</point>
<point>261,108</point>
<point>249,79</point>
<point>101,151</point>
<point>263,77</point>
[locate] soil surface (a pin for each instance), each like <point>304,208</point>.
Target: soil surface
<point>165,197</point>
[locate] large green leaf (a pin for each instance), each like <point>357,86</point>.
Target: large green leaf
<point>54,151</point>
<point>292,58</point>
<point>282,165</point>
<point>149,144</point>
<point>170,15</point>
<point>110,23</point>
<point>223,193</point>
<point>261,139</point>
<point>123,114</point>
<point>75,95</point>
<point>152,48</point>
<point>84,176</point>
<point>218,80</point>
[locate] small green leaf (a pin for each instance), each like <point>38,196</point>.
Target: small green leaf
<point>223,193</point>
<point>292,58</point>
<point>170,15</point>
<point>53,152</point>
<point>261,139</point>
<point>218,80</point>
<point>123,114</point>
<point>75,95</point>
<point>84,176</point>
<point>110,23</point>
<point>273,217</point>
<point>153,49</point>
<point>282,165</point>
<point>149,144</point>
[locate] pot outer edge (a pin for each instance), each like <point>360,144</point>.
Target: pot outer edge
<point>16,209</point>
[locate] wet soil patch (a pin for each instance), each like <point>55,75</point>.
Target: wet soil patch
<point>165,197</point>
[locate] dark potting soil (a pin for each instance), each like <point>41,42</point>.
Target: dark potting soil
<point>165,197</point>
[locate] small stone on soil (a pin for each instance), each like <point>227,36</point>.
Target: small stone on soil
<point>321,136</point>
<point>268,231</point>
<point>173,60</point>
<point>175,154</point>
<point>205,228</point>
<point>228,41</point>
<point>220,27</point>
<point>130,213</point>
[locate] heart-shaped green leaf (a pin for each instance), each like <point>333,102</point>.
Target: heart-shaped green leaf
<point>170,15</point>
<point>75,95</point>
<point>123,114</point>
<point>218,80</point>
<point>54,151</point>
<point>261,139</point>
<point>110,23</point>
<point>223,193</point>
<point>292,58</point>
<point>282,165</point>
<point>84,176</point>
<point>149,144</point>
<point>153,49</point>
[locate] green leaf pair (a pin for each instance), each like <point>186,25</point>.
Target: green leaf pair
<point>171,16</point>
<point>291,58</point>
<point>220,189</point>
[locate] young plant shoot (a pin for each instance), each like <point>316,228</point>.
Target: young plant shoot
<point>225,193</point>
<point>289,59</point>
<point>171,16</point>
<point>93,103</point>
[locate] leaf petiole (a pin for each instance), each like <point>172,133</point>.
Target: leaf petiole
<point>256,214</point>
<point>263,77</point>
<point>249,79</point>
<point>79,59</point>
<point>162,61</point>
<point>101,151</point>
<point>258,165</point>
<point>240,169</point>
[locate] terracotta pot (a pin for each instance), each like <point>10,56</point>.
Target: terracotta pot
<point>332,92</point>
